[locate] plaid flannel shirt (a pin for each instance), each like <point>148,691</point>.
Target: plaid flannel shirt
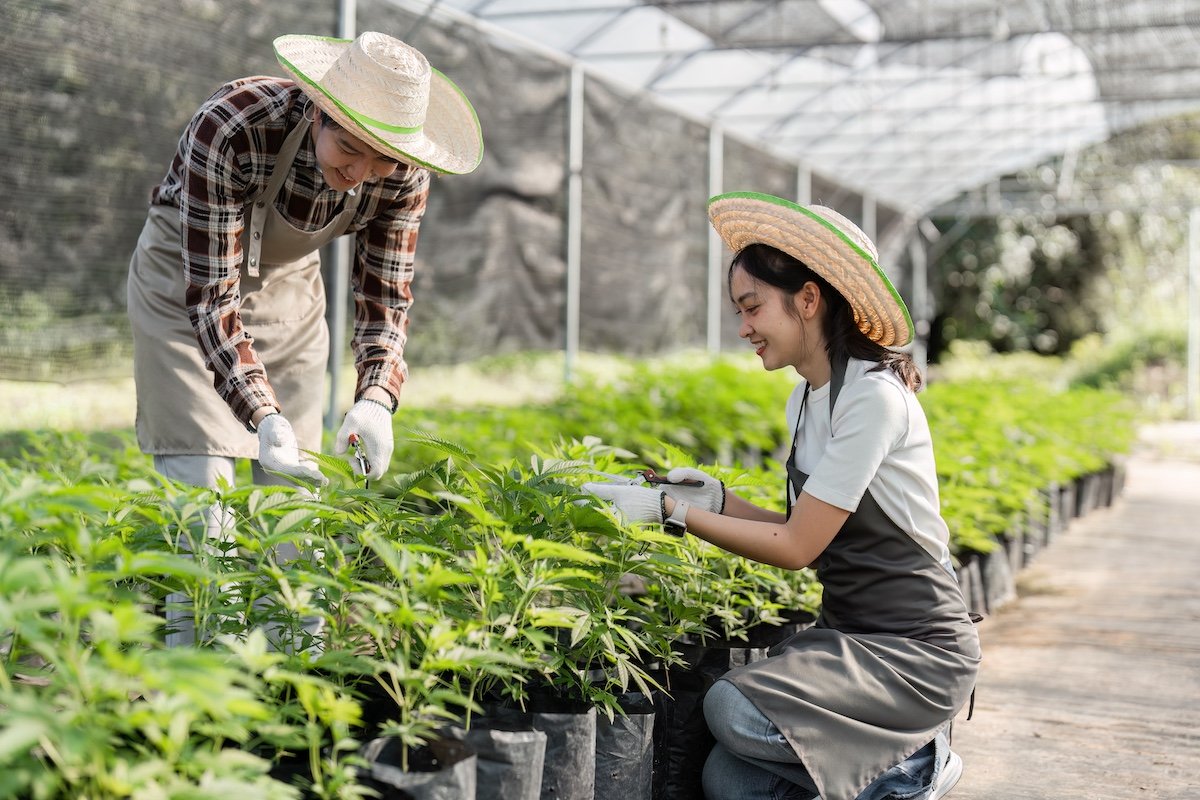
<point>224,159</point>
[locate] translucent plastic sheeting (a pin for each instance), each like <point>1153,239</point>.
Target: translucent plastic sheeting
<point>913,101</point>
<point>881,110</point>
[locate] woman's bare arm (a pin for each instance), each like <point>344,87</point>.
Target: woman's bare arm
<point>765,536</point>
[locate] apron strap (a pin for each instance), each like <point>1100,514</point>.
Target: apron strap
<point>837,377</point>
<point>261,204</point>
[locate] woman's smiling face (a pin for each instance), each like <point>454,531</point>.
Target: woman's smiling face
<point>767,322</point>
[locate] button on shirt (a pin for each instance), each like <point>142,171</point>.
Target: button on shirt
<point>224,160</point>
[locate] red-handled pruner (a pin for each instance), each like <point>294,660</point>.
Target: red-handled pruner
<point>654,479</point>
<point>360,456</point>
<point>647,476</point>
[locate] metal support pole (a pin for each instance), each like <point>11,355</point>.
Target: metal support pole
<point>339,265</point>
<point>716,183</point>
<point>803,185</point>
<point>869,220</point>
<point>339,269</point>
<point>574,216</point>
<point>347,19</point>
<point>920,300</point>
<point>1193,315</point>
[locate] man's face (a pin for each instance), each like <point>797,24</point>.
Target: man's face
<point>346,161</point>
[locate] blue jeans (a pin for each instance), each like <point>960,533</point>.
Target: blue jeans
<point>209,472</point>
<point>753,761</point>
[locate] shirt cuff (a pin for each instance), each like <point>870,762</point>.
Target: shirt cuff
<point>391,405</point>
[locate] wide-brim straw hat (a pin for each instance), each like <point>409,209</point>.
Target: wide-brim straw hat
<point>828,244</point>
<point>385,92</point>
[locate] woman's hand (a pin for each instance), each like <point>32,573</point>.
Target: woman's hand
<point>709,495</point>
<point>633,503</point>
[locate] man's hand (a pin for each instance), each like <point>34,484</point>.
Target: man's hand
<point>373,424</point>
<point>279,452</point>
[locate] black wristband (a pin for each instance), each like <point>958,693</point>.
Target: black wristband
<point>390,409</point>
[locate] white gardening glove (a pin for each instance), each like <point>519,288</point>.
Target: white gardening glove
<point>372,422</point>
<point>278,451</point>
<point>633,503</point>
<point>710,496</point>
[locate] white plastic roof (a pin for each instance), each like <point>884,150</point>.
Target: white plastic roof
<point>911,101</point>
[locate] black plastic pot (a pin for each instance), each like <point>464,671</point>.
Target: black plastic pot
<point>1066,500</point>
<point>442,770</point>
<point>625,751</point>
<point>509,761</point>
<point>569,772</point>
<point>773,637</point>
<point>1087,493</point>
<point>970,580</point>
<point>294,770</point>
<point>999,586</point>
<point>1055,522</point>
<point>1041,526</point>
<point>682,740</point>
<point>1013,543</point>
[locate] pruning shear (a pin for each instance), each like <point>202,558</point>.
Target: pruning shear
<point>360,456</point>
<point>654,479</point>
<point>639,477</point>
<point>647,476</point>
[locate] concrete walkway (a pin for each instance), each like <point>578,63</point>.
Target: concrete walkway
<point>1090,684</point>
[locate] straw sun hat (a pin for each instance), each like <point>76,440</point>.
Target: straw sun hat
<point>383,91</point>
<point>829,244</point>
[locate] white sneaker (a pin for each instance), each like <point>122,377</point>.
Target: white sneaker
<point>948,777</point>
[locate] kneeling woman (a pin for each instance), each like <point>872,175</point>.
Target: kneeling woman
<point>857,705</point>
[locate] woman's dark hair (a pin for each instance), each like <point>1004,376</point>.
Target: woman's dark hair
<point>843,339</point>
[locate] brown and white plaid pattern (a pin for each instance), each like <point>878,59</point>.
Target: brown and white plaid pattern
<point>225,159</point>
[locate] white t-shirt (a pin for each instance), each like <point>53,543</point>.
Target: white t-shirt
<point>879,441</point>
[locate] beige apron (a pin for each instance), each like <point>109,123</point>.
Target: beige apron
<point>283,309</point>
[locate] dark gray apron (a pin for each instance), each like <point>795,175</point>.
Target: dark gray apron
<point>890,661</point>
<point>282,308</point>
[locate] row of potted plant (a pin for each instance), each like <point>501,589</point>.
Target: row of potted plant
<point>999,443</point>
<point>471,586</point>
<point>463,590</point>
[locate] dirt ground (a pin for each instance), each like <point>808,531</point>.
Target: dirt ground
<point>1090,685</point>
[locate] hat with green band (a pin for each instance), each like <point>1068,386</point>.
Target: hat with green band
<point>828,244</point>
<point>384,92</point>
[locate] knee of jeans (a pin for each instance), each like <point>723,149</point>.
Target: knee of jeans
<point>719,702</point>
<point>720,775</point>
<point>731,716</point>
